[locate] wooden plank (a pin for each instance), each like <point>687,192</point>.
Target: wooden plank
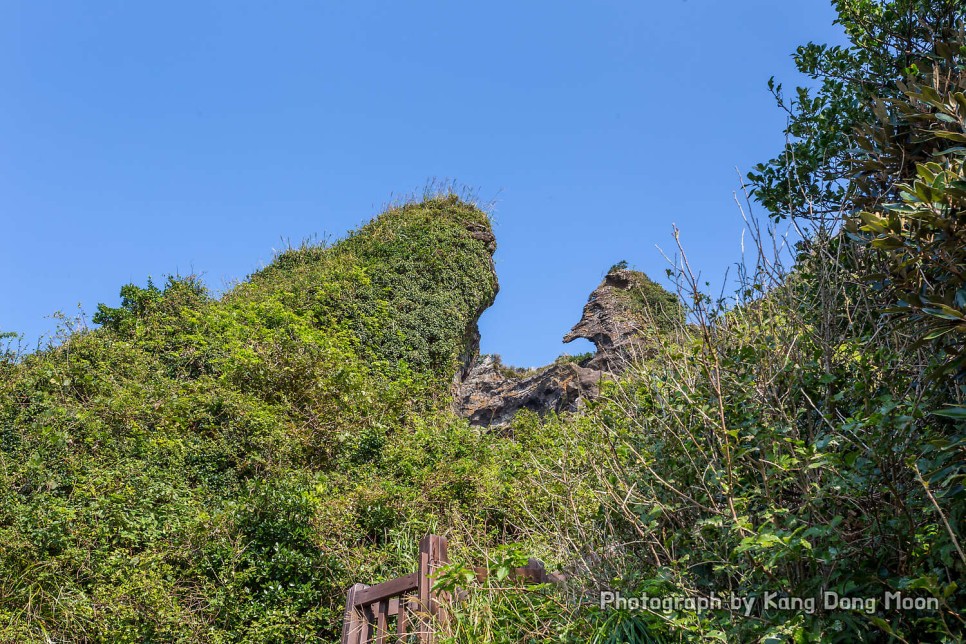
<point>370,623</point>
<point>533,573</point>
<point>557,577</point>
<point>402,619</point>
<point>423,590</point>
<point>422,575</point>
<point>353,625</point>
<point>432,555</point>
<point>368,608</point>
<point>481,573</point>
<point>385,590</point>
<point>382,621</point>
<point>442,558</point>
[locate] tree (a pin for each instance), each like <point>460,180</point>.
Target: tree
<point>879,147</point>
<point>909,198</point>
<point>810,177</point>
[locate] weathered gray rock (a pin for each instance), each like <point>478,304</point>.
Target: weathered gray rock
<point>491,393</point>
<point>619,316</point>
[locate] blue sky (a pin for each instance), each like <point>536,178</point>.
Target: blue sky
<point>154,138</point>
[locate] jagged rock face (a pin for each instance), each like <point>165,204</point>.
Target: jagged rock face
<point>618,317</point>
<point>491,394</point>
<point>484,234</point>
<point>613,319</point>
<point>471,337</point>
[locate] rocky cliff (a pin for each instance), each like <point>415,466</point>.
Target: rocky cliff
<point>620,316</point>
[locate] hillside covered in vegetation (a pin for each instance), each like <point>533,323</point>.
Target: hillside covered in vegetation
<point>200,469</point>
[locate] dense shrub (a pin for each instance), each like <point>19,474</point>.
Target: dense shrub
<point>217,470</point>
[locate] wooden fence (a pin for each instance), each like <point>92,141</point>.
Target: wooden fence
<point>407,609</point>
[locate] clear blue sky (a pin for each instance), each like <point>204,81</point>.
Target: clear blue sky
<point>143,139</point>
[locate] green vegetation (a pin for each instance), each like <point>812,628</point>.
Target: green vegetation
<point>887,38</point>
<point>578,359</point>
<point>652,303</point>
<point>202,470</point>
<point>809,435</point>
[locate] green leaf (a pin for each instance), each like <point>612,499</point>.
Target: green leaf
<point>951,136</point>
<point>938,333</point>
<point>881,623</point>
<point>944,312</point>
<point>956,413</point>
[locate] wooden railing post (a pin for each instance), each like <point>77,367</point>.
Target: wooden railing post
<point>432,554</point>
<point>539,573</point>
<point>368,609</point>
<point>355,626</point>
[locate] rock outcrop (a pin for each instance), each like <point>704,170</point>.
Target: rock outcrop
<point>618,318</point>
<point>492,393</point>
<point>621,314</point>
